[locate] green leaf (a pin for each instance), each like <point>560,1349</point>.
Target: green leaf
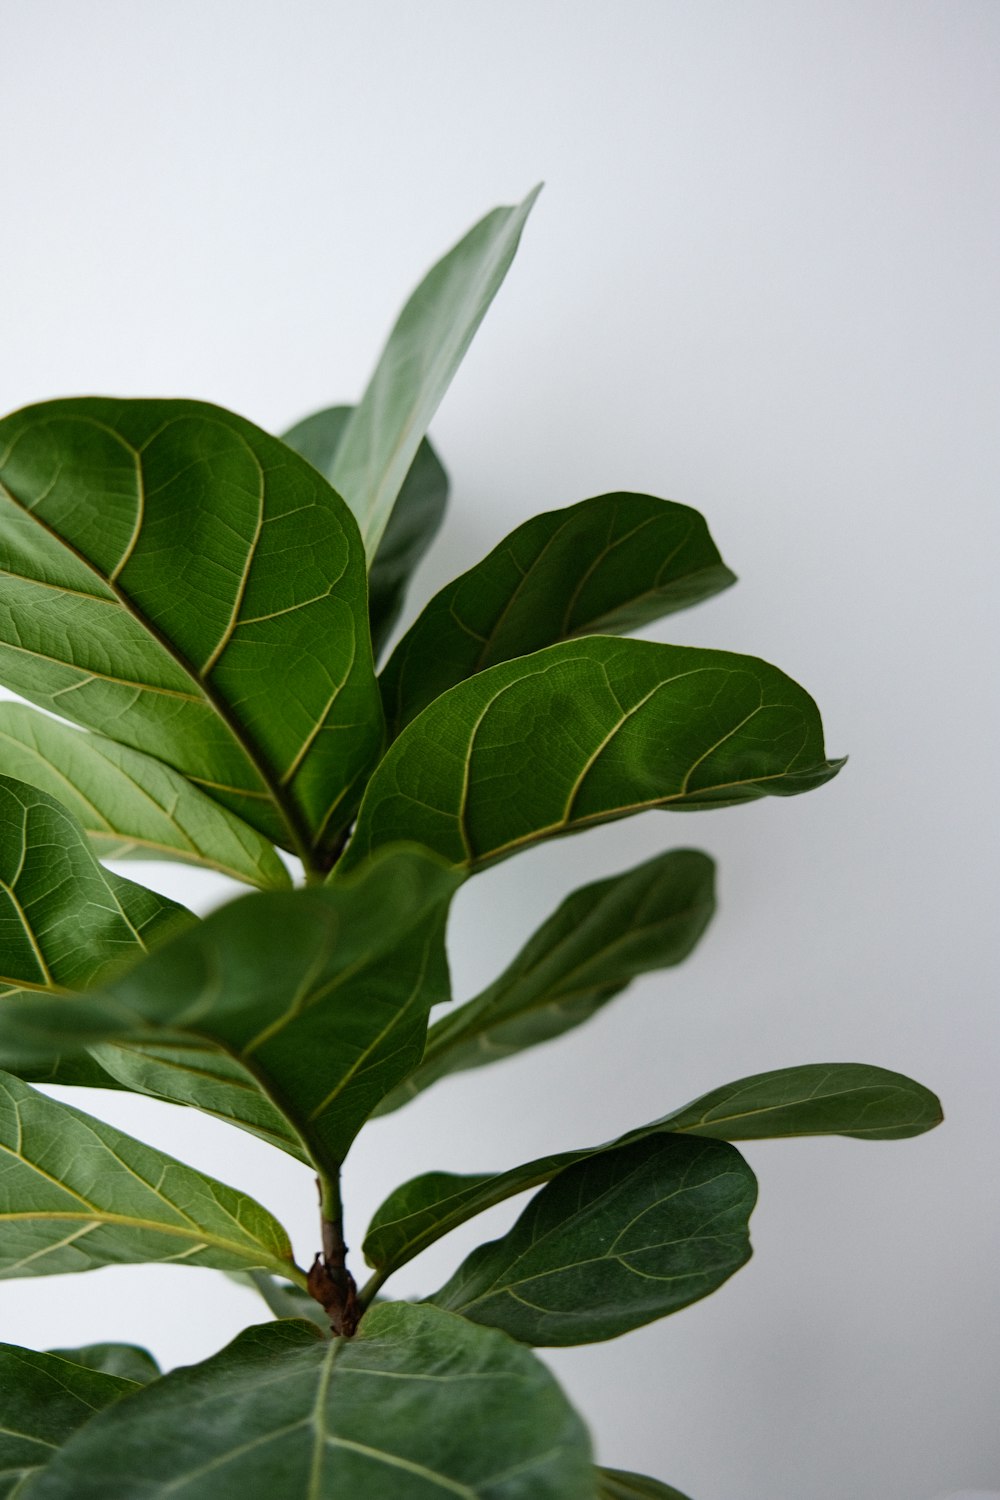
<point>182,581</point>
<point>616,1484</point>
<point>599,939</point>
<point>585,732</point>
<point>291,1013</point>
<point>412,526</point>
<point>610,565</point>
<point>616,1241</point>
<point>44,1399</point>
<point>425,348</point>
<point>283,1298</point>
<point>76,1193</point>
<point>131,805</point>
<point>419,1404</point>
<point>126,1361</point>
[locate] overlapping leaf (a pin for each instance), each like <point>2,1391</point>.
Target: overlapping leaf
<point>425,348</point>
<point>610,565</point>
<point>418,1404</point>
<point>618,1240</point>
<point>130,804</point>
<point>584,732</point>
<point>125,1361</point>
<point>617,1484</point>
<point>412,526</point>
<point>76,1193</point>
<point>599,939</point>
<point>178,579</point>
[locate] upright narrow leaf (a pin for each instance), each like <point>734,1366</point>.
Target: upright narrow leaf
<point>610,564</point>
<point>424,350</point>
<point>418,1405</point>
<point>599,939</point>
<point>585,732</point>
<point>185,583</point>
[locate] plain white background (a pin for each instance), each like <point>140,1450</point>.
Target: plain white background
<point>762,280</point>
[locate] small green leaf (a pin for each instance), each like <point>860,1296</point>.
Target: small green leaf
<point>599,939</point>
<point>44,1399</point>
<point>419,1404</point>
<point>616,1484</point>
<point>616,1241</point>
<point>425,348</point>
<point>412,526</point>
<point>76,1193</point>
<point>610,565</point>
<point>283,1298</point>
<point>585,732</point>
<point>131,805</point>
<point>126,1361</point>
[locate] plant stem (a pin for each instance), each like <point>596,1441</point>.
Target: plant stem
<point>368,1292</point>
<point>330,1283</point>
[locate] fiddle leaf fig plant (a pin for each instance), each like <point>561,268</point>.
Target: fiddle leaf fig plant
<point>193,612</point>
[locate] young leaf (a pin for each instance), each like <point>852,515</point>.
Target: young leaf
<point>599,939</point>
<point>610,565</point>
<point>419,1404</point>
<point>616,1484</point>
<point>585,732</point>
<point>44,1399</point>
<point>76,1193</point>
<point>412,526</point>
<point>616,1241</point>
<point>126,1361</point>
<point>425,348</point>
<point>180,580</point>
<point>130,804</point>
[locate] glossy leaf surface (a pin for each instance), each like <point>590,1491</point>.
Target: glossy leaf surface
<point>600,938</point>
<point>131,805</point>
<point>420,1404</point>
<point>617,1484</point>
<point>423,351</point>
<point>76,1193</point>
<point>125,1361</point>
<point>586,732</point>
<point>616,1241</point>
<point>608,565</point>
<point>412,526</point>
<point>182,581</point>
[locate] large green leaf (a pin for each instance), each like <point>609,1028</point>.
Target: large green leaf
<point>585,732</point>
<point>291,1013</point>
<point>126,1361</point>
<point>611,564</point>
<point>420,1404</point>
<point>44,1399</point>
<point>616,1241</point>
<point>412,526</point>
<point>180,580</point>
<point>76,1193</point>
<point>423,351</point>
<point>599,939</point>
<point>616,1484</point>
<point>130,804</point>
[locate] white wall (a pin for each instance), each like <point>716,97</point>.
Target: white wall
<point>762,280</point>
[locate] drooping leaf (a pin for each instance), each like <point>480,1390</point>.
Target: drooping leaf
<point>585,732</point>
<point>609,565</point>
<point>291,1013</point>
<point>179,580</point>
<point>424,349</point>
<point>616,1241</point>
<point>76,1193</point>
<point>419,1404</point>
<point>126,1361</point>
<point>44,1399</point>
<point>616,1484</point>
<point>412,526</point>
<point>599,939</point>
<point>130,804</point>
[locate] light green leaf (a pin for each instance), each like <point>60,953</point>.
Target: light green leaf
<point>76,1193</point>
<point>616,1484</point>
<point>418,1405</point>
<point>291,1013</point>
<point>611,564</point>
<point>599,939</point>
<point>126,1361</point>
<point>44,1399</point>
<point>412,526</point>
<point>425,348</point>
<point>131,805</point>
<point>616,1241</point>
<point>585,732</point>
<point>180,580</point>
